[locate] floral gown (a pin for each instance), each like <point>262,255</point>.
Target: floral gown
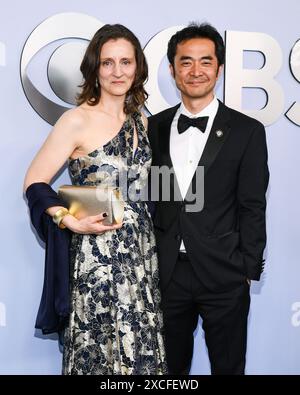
<point>115,323</point>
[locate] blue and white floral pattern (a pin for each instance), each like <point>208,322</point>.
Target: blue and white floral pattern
<point>115,323</point>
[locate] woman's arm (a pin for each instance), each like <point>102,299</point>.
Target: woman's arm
<point>58,147</point>
<point>65,137</point>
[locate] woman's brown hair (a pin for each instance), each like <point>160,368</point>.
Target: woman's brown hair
<point>91,90</point>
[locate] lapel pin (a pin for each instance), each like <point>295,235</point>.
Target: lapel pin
<point>219,133</point>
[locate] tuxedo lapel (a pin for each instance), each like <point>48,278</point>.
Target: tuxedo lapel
<point>164,130</point>
<point>217,137</point>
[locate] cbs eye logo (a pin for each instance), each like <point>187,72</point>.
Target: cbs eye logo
<point>53,84</point>
<point>72,32</point>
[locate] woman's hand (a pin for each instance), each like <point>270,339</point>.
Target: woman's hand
<point>89,225</point>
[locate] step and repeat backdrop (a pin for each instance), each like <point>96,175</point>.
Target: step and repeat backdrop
<point>41,45</point>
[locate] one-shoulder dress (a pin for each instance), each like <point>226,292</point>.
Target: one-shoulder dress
<point>116,325</point>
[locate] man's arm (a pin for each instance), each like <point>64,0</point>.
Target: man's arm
<point>252,186</point>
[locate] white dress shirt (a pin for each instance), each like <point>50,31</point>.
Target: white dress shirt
<point>186,148</point>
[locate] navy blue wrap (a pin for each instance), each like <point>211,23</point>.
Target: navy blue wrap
<point>54,306</point>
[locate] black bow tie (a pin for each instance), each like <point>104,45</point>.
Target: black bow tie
<point>185,122</point>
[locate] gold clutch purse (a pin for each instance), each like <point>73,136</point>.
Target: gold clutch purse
<point>85,200</point>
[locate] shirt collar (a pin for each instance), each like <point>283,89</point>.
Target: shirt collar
<point>209,111</point>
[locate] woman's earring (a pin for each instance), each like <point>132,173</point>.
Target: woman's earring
<point>97,83</point>
<point>128,97</point>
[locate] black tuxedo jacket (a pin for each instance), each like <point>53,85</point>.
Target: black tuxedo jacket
<point>226,239</point>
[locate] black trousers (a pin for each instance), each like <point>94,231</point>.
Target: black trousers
<point>224,318</point>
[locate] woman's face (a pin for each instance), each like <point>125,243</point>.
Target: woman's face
<point>117,67</point>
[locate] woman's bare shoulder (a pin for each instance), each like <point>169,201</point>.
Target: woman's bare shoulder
<point>74,119</point>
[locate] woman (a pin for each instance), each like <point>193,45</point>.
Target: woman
<point>115,324</point>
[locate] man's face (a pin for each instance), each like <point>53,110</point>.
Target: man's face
<point>196,68</point>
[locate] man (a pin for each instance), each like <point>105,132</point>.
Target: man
<point>208,257</point>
